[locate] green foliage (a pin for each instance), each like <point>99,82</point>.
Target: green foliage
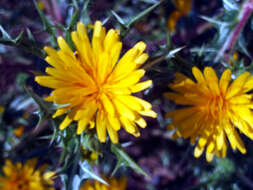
<point>125,160</point>
<point>127,26</point>
<point>48,27</point>
<point>71,165</point>
<point>21,42</point>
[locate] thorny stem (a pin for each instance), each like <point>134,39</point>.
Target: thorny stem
<point>153,62</point>
<point>228,46</point>
<point>53,10</point>
<point>24,45</point>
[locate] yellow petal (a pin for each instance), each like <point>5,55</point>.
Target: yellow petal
<point>209,156</point>
<point>109,107</point>
<point>128,125</point>
<point>114,122</point>
<point>110,39</point>
<point>82,125</point>
<point>211,80</point>
<point>210,147</point>
<point>64,46</point>
<point>149,113</point>
<point>48,81</point>
<point>123,109</point>
<point>198,151</point>
<point>198,75</point>
<point>60,111</point>
<point>225,80</point>
<point>141,59</point>
<point>101,127</point>
<point>237,85</point>
<point>220,140</point>
<point>113,135</point>
<point>141,86</point>
<point>141,122</point>
<point>65,123</point>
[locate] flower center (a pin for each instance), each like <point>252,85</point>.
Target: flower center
<point>21,184</point>
<point>215,107</point>
<point>100,91</point>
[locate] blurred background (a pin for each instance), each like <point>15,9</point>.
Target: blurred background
<point>193,28</point>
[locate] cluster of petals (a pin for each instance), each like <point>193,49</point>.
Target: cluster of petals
<point>113,184</point>
<point>212,111</point>
<point>94,87</point>
<point>26,177</point>
<point>182,8</point>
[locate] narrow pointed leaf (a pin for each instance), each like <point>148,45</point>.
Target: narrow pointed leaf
<point>119,19</point>
<point>86,168</point>
<point>123,157</point>
<point>5,35</point>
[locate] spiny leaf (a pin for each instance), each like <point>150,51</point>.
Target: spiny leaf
<point>19,37</point>
<point>30,35</point>
<point>21,43</point>
<point>137,18</point>
<point>159,59</point>
<point>125,159</point>
<point>84,13</point>
<point>242,46</point>
<point>70,27</point>
<point>214,21</point>
<point>143,14</point>
<point>76,182</point>
<point>46,24</point>
<point>44,112</point>
<point>86,168</point>
<point>44,106</point>
<point>173,52</point>
<point>55,133</point>
<point>75,4</point>
<point>42,118</point>
<point>230,5</point>
<point>5,35</point>
<point>119,19</point>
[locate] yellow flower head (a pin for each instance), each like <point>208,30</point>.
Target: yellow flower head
<point>184,6</point>
<point>173,19</point>
<point>19,131</point>
<point>234,58</point>
<point>113,184</point>
<point>214,109</point>
<point>2,109</point>
<point>41,5</point>
<point>89,155</point>
<point>93,87</point>
<point>26,177</point>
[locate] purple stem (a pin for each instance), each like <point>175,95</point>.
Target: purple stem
<point>228,46</point>
<point>57,12</point>
<point>53,10</point>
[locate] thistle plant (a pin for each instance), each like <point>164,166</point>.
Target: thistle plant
<point>125,94</point>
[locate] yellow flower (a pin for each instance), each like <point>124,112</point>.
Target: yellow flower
<point>89,155</point>
<point>214,109</point>
<point>172,20</point>
<point>93,87</point>
<point>19,131</point>
<point>18,177</point>
<point>2,109</point>
<point>41,5</point>
<point>113,184</point>
<point>234,58</point>
<point>184,6</point>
